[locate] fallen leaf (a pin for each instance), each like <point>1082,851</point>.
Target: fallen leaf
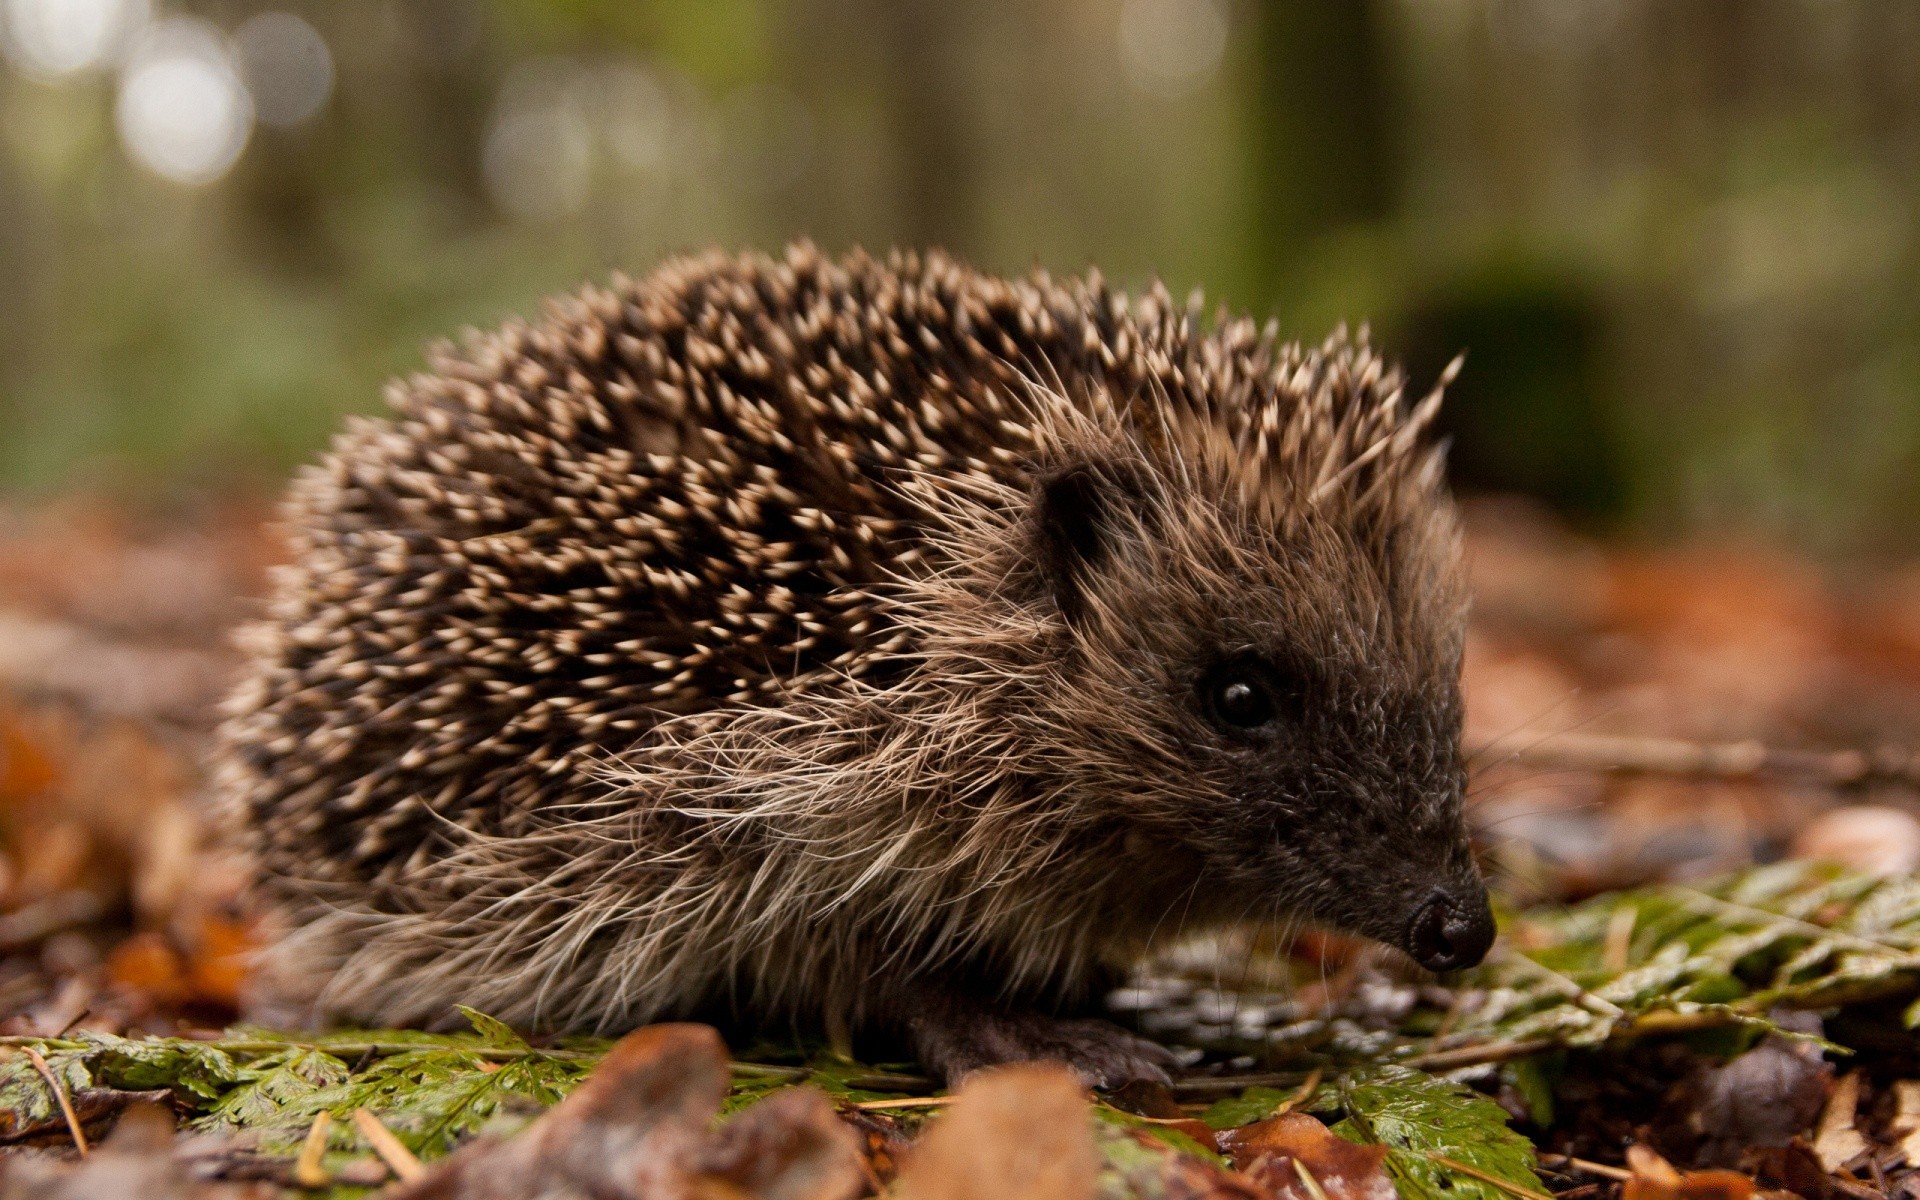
<point>1835,1140</point>
<point>149,965</point>
<point>1906,1119</point>
<point>1794,1168</point>
<point>1015,1133</point>
<point>640,1128</point>
<point>1763,1097</point>
<point>1281,1153</point>
<point>1871,838</point>
<point>1654,1178</point>
<point>137,1161</point>
<point>789,1146</point>
<point>217,966</point>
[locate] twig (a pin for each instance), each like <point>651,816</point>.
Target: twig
<point>1480,1054</point>
<point>1591,1168</point>
<point>1567,987</point>
<point>1208,1084</point>
<point>1304,1094</point>
<point>1512,1189</point>
<point>307,1169</point>
<point>904,1102</point>
<point>1313,1185</point>
<point>400,1160</point>
<point>1617,948</point>
<point>60,1095</point>
<point>1719,760</point>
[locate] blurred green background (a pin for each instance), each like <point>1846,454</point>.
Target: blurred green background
<point>1676,237</point>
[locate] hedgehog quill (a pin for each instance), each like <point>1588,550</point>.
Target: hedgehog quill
<point>857,644</point>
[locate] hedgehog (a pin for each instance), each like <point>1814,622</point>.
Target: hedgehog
<point>876,647</point>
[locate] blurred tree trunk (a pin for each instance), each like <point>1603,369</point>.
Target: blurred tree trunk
<point>1321,106</point>
<point>927,102</point>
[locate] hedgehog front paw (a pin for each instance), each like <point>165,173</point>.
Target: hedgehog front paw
<point>952,1043</point>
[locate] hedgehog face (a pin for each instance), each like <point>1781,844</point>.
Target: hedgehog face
<point>1295,690</point>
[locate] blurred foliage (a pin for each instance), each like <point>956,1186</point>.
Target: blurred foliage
<point>1676,239</point>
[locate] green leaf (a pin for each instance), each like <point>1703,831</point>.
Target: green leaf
<point>1174,1139</point>
<point>491,1030</point>
<point>25,1099</point>
<point>431,1098</point>
<point>1533,1079</point>
<point>201,1071</point>
<point>1418,1116</point>
<point>276,1095</point>
<point>1254,1104</point>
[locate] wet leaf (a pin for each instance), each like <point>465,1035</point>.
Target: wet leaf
<point>1284,1153</point>
<point>1420,1119</point>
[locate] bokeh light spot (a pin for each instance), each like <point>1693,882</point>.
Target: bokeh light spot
<point>183,111</point>
<point>287,67</point>
<point>538,157</point>
<point>1171,46</point>
<point>52,38</point>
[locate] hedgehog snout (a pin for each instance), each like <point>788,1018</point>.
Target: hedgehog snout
<point>1452,928</point>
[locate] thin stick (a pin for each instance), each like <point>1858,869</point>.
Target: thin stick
<point>1305,1093</point>
<point>1567,987</point>
<point>1313,1185</point>
<point>1720,760</point>
<point>1207,1084</point>
<point>1591,1168</point>
<point>1480,1054</point>
<point>905,1102</point>
<point>1617,947</point>
<point>1512,1189</point>
<point>399,1159</point>
<point>307,1171</point>
<point>60,1095</point>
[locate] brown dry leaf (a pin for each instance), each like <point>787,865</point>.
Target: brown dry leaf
<point>1796,1169</point>
<point>25,769</point>
<point>1274,1151</point>
<point>1872,838</point>
<point>883,1143</point>
<point>1906,1119</point>
<point>640,1129</point>
<point>789,1146</point>
<point>1835,1140</point>
<point>217,966</point>
<point>138,1162</point>
<point>1734,637</point>
<point>1654,1178</point>
<point>1763,1097</point>
<point>1015,1133</point>
<point>148,965</point>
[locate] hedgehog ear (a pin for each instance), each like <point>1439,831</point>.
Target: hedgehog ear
<point>1080,513</point>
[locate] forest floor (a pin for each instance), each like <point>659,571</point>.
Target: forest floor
<point>1683,1004</point>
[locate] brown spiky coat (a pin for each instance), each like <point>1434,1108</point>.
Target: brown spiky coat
<point>699,645</point>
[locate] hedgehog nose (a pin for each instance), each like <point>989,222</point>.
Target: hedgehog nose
<point>1450,930</point>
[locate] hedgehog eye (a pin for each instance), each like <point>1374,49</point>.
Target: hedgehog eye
<point>1243,697</point>
<point>1242,701</point>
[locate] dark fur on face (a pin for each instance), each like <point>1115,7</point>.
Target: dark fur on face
<point>856,642</point>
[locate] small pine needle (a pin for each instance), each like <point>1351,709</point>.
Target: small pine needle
<point>905,1102</point>
<point>1313,1185</point>
<point>307,1171</point>
<point>1303,1094</point>
<point>60,1095</point>
<point>1507,1186</point>
<point>400,1160</point>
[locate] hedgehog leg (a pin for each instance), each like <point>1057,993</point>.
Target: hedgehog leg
<point>954,1035</point>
